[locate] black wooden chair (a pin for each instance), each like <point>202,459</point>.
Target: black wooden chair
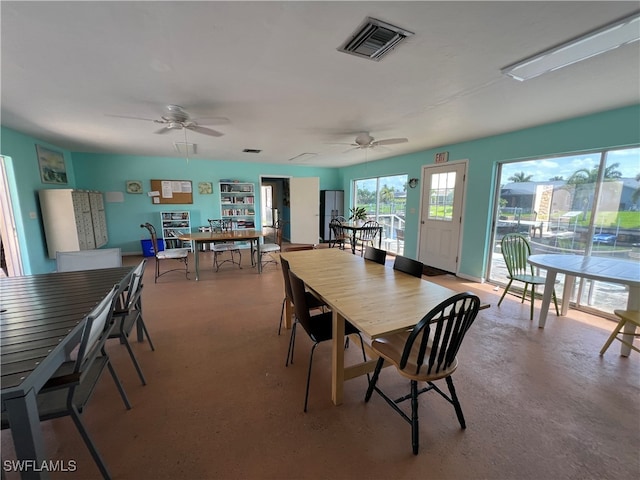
<point>367,235</point>
<point>178,254</point>
<point>71,386</point>
<point>319,327</point>
<point>425,354</point>
<point>375,254</point>
<point>128,314</point>
<point>339,236</point>
<point>408,265</point>
<point>313,302</point>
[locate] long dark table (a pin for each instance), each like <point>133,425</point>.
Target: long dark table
<point>41,321</point>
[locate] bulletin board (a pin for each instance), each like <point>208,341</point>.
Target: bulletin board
<point>171,192</point>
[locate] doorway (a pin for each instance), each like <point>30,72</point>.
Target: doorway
<point>9,245</point>
<point>441,215</point>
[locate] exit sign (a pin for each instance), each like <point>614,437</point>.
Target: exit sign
<point>442,157</point>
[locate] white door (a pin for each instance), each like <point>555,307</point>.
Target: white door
<point>8,235</point>
<point>304,198</point>
<point>441,215</point>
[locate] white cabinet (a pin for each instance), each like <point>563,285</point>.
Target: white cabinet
<point>73,220</point>
<point>175,224</point>
<point>237,203</point>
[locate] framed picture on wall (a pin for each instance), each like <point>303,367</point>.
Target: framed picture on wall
<point>51,163</point>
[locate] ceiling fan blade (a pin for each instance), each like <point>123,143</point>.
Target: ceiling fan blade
<point>211,121</point>
<point>164,130</point>
<point>390,141</point>
<point>130,117</point>
<point>205,131</point>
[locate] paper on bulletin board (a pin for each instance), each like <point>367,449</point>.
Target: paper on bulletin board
<point>167,189</point>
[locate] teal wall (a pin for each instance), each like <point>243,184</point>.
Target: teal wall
<point>610,129</point>
<point>24,182</point>
<point>108,173</point>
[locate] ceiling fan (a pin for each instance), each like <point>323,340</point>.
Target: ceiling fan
<point>365,141</point>
<point>177,118</point>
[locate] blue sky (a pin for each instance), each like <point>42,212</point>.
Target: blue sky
<point>544,169</point>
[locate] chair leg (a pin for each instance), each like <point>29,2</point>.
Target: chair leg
<point>456,402</point>
<point>133,358</point>
<point>292,341</point>
<point>613,335</point>
<point>374,379</point>
<point>157,270</point>
<point>415,430</point>
<point>75,415</point>
<point>306,395</point>
<point>284,301</point>
<point>146,333</point>
<point>118,383</point>
<point>555,301</point>
<point>533,297</point>
<point>506,289</point>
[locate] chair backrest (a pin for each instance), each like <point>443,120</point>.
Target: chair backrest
<point>515,251</point>
<point>134,289</point>
<point>279,231</point>
<point>449,322</point>
<point>300,306</point>
<point>408,265</point>
<point>154,236</point>
<point>369,230</point>
<point>95,332</point>
<point>375,254</point>
<point>335,225</point>
<point>287,281</point>
<point>88,259</point>
<point>220,225</point>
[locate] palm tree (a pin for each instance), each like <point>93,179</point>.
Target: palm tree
<point>584,175</point>
<point>585,179</point>
<point>520,177</point>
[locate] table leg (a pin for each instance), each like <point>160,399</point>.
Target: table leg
<point>337,359</point>
<point>353,242</point>
<point>22,413</point>
<point>569,282</point>
<point>546,297</point>
<point>633,304</point>
<point>259,260</point>
<point>197,262</point>
<point>289,314</point>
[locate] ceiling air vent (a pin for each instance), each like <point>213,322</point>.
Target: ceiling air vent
<point>374,39</point>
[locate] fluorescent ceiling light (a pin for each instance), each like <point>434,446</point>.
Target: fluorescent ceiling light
<point>612,35</point>
<point>184,148</point>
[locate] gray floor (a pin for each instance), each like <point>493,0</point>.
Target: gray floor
<point>220,404</point>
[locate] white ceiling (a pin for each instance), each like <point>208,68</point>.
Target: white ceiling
<point>273,70</point>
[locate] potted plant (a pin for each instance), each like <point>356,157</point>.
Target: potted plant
<point>358,214</point>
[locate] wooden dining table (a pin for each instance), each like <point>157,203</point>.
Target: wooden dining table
<point>253,236</point>
<point>41,321</point>
<point>376,299</point>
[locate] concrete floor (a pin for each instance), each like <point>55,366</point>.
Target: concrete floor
<point>220,404</point>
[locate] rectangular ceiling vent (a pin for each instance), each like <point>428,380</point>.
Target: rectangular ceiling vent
<point>374,39</point>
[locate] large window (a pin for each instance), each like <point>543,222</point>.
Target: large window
<point>587,204</point>
<point>385,199</point>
